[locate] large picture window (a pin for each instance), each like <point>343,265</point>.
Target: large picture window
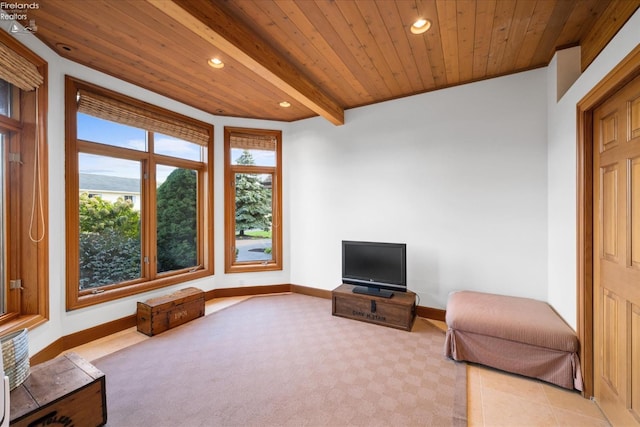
<point>253,211</point>
<point>24,234</point>
<point>139,196</point>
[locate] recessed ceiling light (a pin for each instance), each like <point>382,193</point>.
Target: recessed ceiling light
<point>216,63</point>
<point>420,26</point>
<point>64,47</point>
<point>285,104</point>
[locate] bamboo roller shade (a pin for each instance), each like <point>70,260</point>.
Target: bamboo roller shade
<point>253,142</point>
<point>17,70</point>
<point>117,111</point>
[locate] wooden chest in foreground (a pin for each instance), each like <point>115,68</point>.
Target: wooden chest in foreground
<point>66,391</point>
<point>159,314</point>
<point>396,312</point>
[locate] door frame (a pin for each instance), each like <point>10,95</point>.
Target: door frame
<point>623,73</point>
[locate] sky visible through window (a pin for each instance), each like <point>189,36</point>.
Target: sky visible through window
<point>115,134</point>
<point>118,135</point>
<point>260,157</point>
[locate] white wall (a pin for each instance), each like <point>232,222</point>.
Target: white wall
<point>562,137</point>
<point>458,174</point>
<point>61,322</point>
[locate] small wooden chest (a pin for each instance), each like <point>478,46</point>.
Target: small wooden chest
<point>162,313</point>
<point>396,312</point>
<point>66,390</point>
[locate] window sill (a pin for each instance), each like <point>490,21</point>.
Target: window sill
<point>27,321</point>
<point>88,300</point>
<point>253,267</point>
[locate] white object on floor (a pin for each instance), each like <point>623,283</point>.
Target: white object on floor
<point>4,395</point>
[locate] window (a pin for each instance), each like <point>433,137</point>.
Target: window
<point>139,196</point>
<point>253,211</point>
<point>24,244</point>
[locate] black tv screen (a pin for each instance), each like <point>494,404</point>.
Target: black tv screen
<point>374,265</point>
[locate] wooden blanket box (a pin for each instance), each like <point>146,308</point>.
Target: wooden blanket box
<point>159,314</point>
<point>66,390</point>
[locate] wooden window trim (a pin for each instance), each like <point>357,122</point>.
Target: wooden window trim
<point>28,307</point>
<point>75,298</point>
<point>276,237</point>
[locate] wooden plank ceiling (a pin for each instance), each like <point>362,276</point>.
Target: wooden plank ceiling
<point>322,56</point>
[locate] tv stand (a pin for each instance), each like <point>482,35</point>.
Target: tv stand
<point>376,292</point>
<point>397,312</point>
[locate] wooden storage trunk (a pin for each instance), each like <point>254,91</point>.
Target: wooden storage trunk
<point>396,312</point>
<point>162,313</point>
<point>66,390</point>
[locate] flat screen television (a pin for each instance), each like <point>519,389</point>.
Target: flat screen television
<point>375,268</point>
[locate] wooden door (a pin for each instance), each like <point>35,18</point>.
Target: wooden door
<point>616,126</point>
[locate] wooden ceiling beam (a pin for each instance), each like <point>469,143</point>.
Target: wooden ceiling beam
<point>212,23</point>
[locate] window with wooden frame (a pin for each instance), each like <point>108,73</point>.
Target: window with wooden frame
<point>24,241</point>
<point>139,185</point>
<point>253,200</point>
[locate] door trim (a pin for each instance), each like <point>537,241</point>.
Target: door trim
<point>623,73</point>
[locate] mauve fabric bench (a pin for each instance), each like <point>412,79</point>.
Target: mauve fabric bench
<point>519,335</point>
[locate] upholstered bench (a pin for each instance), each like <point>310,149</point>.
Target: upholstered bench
<point>519,335</point>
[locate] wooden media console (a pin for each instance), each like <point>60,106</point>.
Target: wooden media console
<point>396,312</point>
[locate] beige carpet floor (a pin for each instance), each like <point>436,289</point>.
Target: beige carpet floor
<point>285,360</point>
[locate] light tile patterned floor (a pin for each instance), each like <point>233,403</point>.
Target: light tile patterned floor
<point>495,398</point>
